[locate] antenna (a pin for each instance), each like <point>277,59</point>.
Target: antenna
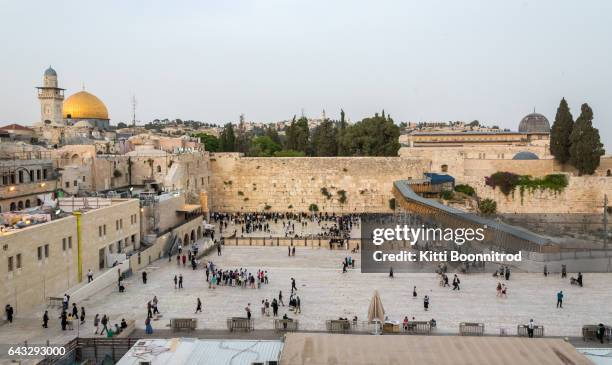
<point>133,110</point>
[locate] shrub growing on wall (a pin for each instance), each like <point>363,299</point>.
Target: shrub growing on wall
<point>342,196</point>
<point>465,189</point>
<point>487,206</point>
<point>313,207</point>
<point>507,182</point>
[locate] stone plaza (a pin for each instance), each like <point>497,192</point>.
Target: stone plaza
<point>327,293</point>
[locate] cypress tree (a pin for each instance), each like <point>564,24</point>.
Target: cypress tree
<point>560,133</point>
<point>586,147</point>
<point>227,140</point>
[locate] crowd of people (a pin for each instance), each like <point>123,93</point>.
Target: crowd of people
<point>326,225</point>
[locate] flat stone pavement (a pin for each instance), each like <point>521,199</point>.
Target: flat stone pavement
<point>327,293</point>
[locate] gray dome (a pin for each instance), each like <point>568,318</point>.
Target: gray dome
<point>525,155</point>
<point>50,72</point>
<point>534,123</point>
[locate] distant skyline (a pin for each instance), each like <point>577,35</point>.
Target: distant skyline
<point>490,60</point>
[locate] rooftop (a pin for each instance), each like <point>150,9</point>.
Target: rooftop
<point>192,351</point>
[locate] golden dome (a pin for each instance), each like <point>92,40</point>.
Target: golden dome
<point>84,105</point>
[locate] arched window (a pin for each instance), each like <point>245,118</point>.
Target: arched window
<point>27,203</point>
<point>158,168</point>
<point>13,207</point>
<point>20,205</point>
<point>608,173</point>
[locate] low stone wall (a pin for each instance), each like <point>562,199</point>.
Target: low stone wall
<point>103,281</point>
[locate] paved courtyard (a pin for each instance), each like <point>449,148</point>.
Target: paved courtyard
<point>327,293</point>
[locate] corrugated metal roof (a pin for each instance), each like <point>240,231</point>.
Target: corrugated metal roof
<point>190,351</point>
<point>321,348</point>
<point>403,186</point>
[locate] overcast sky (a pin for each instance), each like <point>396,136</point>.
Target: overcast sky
<point>491,60</point>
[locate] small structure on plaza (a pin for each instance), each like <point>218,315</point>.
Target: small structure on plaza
<point>186,351</point>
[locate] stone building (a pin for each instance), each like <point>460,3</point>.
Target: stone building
<point>27,176</point>
<point>533,130</point>
<point>48,258</point>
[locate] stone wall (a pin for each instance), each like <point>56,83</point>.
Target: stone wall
<point>584,194</point>
<point>293,183</point>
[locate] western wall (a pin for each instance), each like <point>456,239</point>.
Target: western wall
<point>294,183</point>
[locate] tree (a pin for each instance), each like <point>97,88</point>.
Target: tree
<point>560,133</point>
<point>273,134</point>
<point>211,143</point>
<point>243,140</point>
<point>323,139</point>
<point>586,147</point>
<point>121,125</point>
<point>340,134</point>
<point>263,146</point>
<point>227,140</point>
<point>376,136</point>
<point>297,135</point>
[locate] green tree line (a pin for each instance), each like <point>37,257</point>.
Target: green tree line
<point>373,136</point>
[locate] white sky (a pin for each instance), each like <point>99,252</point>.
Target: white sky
<point>491,60</point>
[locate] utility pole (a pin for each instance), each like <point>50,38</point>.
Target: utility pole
<point>133,110</point>
<point>605,221</point>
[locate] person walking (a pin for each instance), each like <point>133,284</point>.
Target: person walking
<point>274,308</point>
<point>601,331</point>
<point>155,302</point>
<point>97,323</point>
<point>45,319</point>
<point>175,281</point>
<point>280,298</point>
<point>65,301</point>
<point>426,303</point>
<point>82,315</point>
<point>530,327</point>
<point>560,299</point>
<point>75,311</point>
<point>89,276</point>
<point>144,277</point>
<point>9,313</point>
<point>180,281</point>
<point>148,327</point>
<point>298,305</point>
<point>248,311</point>
<point>414,292</point>
<point>293,286</point>
<point>198,306</point>
<point>104,322</point>
<point>456,283</point>
<point>63,320</point>
<point>149,309</point>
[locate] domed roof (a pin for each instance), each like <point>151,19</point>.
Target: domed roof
<point>83,124</point>
<point>50,72</point>
<point>84,105</point>
<point>534,123</point>
<point>525,155</point>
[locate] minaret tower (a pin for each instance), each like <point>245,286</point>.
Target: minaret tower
<point>51,98</point>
